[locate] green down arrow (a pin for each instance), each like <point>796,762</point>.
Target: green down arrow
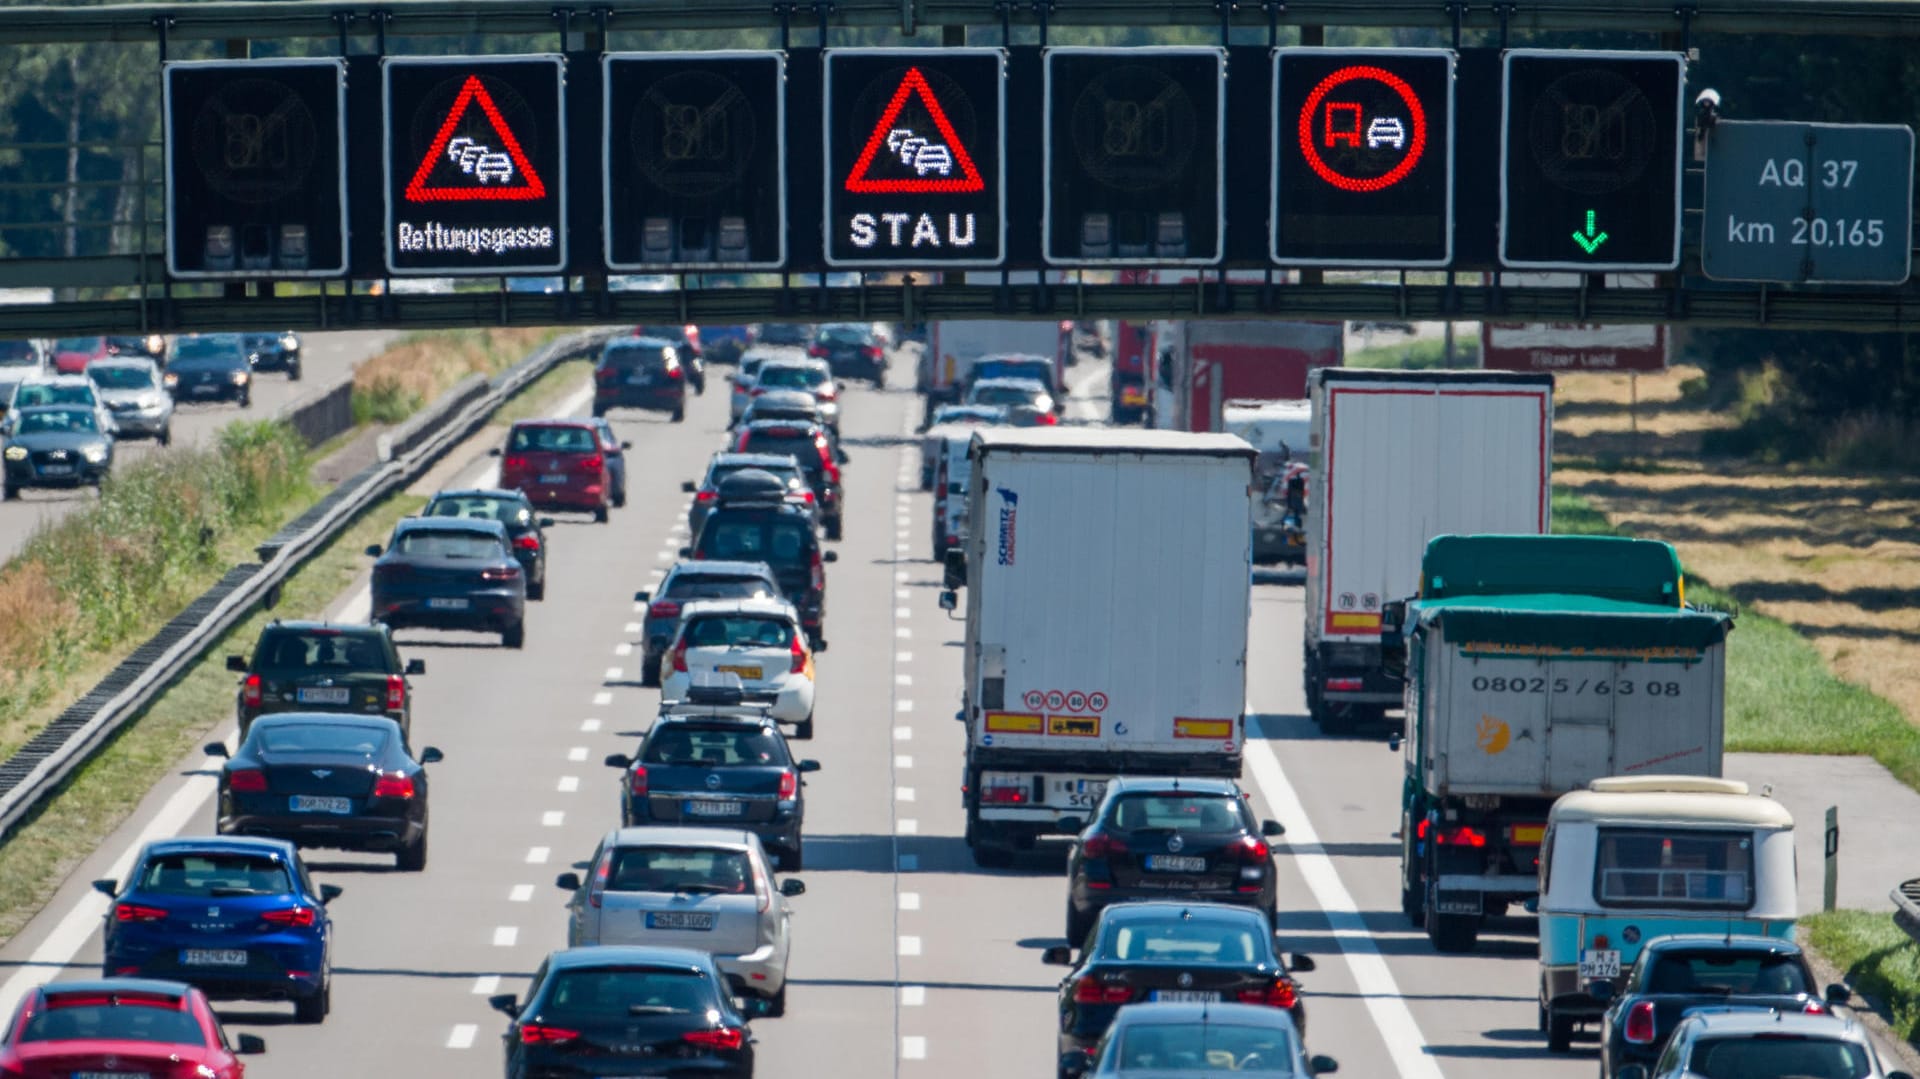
<point>1591,241</point>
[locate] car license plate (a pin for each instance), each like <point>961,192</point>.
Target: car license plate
<point>214,957</point>
<point>679,919</point>
<point>1176,863</point>
<point>1184,996</point>
<point>714,809</point>
<point>205,388</point>
<point>1600,963</point>
<point>448,603</point>
<point>56,470</point>
<point>323,695</point>
<point>640,380</point>
<point>316,803</point>
<point>554,478</point>
<point>111,1075</point>
<point>742,671</point>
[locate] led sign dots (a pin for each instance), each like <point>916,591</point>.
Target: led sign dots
<point>1345,124</point>
<point>475,163</point>
<point>932,162</point>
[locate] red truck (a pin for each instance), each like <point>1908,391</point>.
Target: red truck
<point>1198,366</point>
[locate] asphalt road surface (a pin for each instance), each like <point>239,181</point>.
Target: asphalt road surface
<point>327,359</point>
<point>908,960</point>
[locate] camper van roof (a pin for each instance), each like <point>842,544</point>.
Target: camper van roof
<point>1640,800</point>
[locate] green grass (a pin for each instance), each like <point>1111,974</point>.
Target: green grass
<point>1426,353</point>
<point>1781,696</point>
<point>1878,958</point>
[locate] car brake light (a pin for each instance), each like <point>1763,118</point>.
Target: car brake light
<point>134,912</point>
<point>819,572</point>
<point>1088,990</point>
<point>528,542</point>
<point>726,1038</point>
<point>593,463</point>
<point>296,917</point>
<point>816,351</point>
<point>1047,419</point>
<point>1461,836</point>
<point>663,608</point>
<point>799,657</point>
<point>250,691</point>
<point>1814,1007</point>
<point>1100,844</point>
<point>393,785</point>
<point>1639,1027</point>
<point>680,657</point>
<point>513,464</point>
<point>874,352</point>
<point>673,369</point>
<point>789,785</point>
<point>807,497</point>
<point>1344,685</point>
<point>637,781</point>
<point>396,692</point>
<point>541,1034</point>
<point>602,871</point>
<point>825,393</point>
<point>1254,853</point>
<point>247,781</point>
<point>1281,994</point>
<point>703,495</point>
<point>499,573</point>
<point>757,391</point>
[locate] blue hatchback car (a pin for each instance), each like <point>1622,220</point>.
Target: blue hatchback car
<point>240,918</point>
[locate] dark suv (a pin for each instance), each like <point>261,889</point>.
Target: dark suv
<point>689,581</point>
<point>713,488</point>
<point>809,444</point>
<point>640,372</point>
<point>510,508</point>
<point>783,537</point>
<point>324,667</point>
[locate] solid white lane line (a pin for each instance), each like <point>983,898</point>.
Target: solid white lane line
<point>901,760</point>
<point>553,818</point>
<point>462,1036</point>
<point>909,863</point>
<point>906,826</point>
<point>903,657</point>
<point>909,945</point>
<point>1378,990</point>
<point>569,784</point>
<point>615,672</point>
<point>577,753</point>
<point>909,900</point>
<point>624,648</point>
<point>537,855</point>
<point>604,697</point>
<point>903,734</point>
<point>486,985</point>
<point>504,936</point>
<point>632,627</point>
<point>588,726</point>
<point>904,794</point>
<point>522,893</point>
<point>913,1047</point>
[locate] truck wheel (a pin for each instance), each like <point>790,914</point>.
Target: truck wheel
<point>1413,903</point>
<point>986,855</point>
<point>1453,933</point>
<point>1559,1032</point>
<point>1337,718</point>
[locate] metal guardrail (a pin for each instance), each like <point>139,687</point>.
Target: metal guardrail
<point>42,766</point>
<point>1906,907</point>
<point>321,416</point>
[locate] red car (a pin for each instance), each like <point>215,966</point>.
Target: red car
<point>559,465</point>
<point>121,1026</point>
<point>71,355</point>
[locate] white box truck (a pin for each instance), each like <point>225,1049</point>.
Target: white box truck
<point>952,346</point>
<point>1108,589</point>
<point>1399,457</point>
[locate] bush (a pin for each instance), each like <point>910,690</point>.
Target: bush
<point>400,381</point>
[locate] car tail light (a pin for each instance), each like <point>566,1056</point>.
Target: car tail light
<point>819,572</point>
<point>806,497</point>
<point>817,351</point>
<point>528,542</point>
<point>393,785</point>
<point>825,393</point>
<point>757,391</point>
<point>727,1038</point>
<point>499,573</point>
<point>1344,685</point>
<point>663,608</point>
<point>874,352</point>
<point>789,785</point>
<point>673,369</point>
<point>592,463</point>
<point>1281,994</point>
<point>605,374</point>
<point>1047,419</point>
<point>1088,990</point>
<point>1461,836</point>
<point>247,781</point>
<point>250,691</point>
<point>1814,1007</point>
<point>1639,1027</point>
<point>1254,854</point>
<point>1102,845</point>
<point>292,917</point>
<point>597,893</point>
<point>396,692</point>
<point>740,444</point>
<point>799,657</point>
<point>680,657</point>
<point>134,912</point>
<point>541,1034</point>
<point>514,464</point>
<point>637,781</point>
<point>703,495</point>
<point>827,464</point>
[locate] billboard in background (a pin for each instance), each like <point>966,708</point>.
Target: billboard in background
<point>1572,346</point>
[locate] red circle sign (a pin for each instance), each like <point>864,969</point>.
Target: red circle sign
<point>1417,143</point>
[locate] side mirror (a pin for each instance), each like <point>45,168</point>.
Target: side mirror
<point>108,888</point>
<point>505,1003</point>
<point>1838,994</point>
<point>792,887</point>
<point>808,766</point>
<point>840,456</point>
<point>949,600</point>
<point>237,664</point>
<point>755,1007</point>
<point>545,522</point>
<point>494,452</point>
<point>689,487</point>
<point>567,882</point>
<point>249,1045</point>
<point>626,445</point>
<point>329,893</point>
<point>1070,825</point>
<point>1393,615</point>
<point>432,755</point>
<point>1057,956</point>
<point>1323,1065</point>
<point>821,648</point>
<point>1075,1062</point>
<point>373,550</point>
<point>416,666</point>
<point>643,597</point>
<point>1395,741</point>
<point>216,749</point>
<point>1300,963</point>
<point>830,556</point>
<point>619,760</point>
<point>1272,828</point>
<point>686,552</point>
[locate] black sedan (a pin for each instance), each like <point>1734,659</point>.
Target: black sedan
<point>1675,973</point>
<point>732,770</point>
<point>451,573</point>
<point>851,351</point>
<point>328,780</point>
<point>55,446</point>
<point>1186,953</point>
<point>512,509</point>
<point>1154,837</point>
<point>1199,1041</point>
<point>274,352</point>
<point>212,367</point>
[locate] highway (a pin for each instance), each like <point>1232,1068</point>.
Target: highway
<point>327,360</point>
<point>909,961</point>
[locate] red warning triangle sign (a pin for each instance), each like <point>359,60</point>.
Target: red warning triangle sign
<point>934,164</point>
<point>475,170</point>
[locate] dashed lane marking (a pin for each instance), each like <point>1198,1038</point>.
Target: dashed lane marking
<point>909,900</point>
<point>903,657</point>
<point>906,826</point>
<point>903,706</point>
<point>537,855</point>
<point>902,761</point>
<point>632,627</point>
<point>553,818</point>
<point>901,593</point>
<point>602,698</point>
<point>577,753</point>
<point>903,612</point>
<point>902,575</point>
<point>903,734</point>
<point>913,996</point>
<point>569,784</point>
<point>904,794</point>
<point>614,673</point>
<point>624,648</point>
<point>913,1047</point>
<point>486,985</point>
<point>902,632</point>
<point>909,945</point>
<point>505,936</point>
<point>903,679</point>
<point>522,893</point>
<point>588,726</point>
<point>462,1035</point>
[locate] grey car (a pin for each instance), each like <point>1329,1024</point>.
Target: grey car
<point>131,389</point>
<point>54,446</point>
<point>1752,1043</point>
<point>451,573</point>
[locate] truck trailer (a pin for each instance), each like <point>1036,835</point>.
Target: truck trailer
<point>1200,365</point>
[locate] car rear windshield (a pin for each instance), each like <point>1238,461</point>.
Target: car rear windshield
<point>692,587</point>
<point>320,738</point>
<point>1728,972</point>
<point>1676,867</point>
<point>200,348</point>
<point>1182,942</point>
<point>1176,813</point>
<point>92,1015</point>
<point>214,875</point>
<point>121,378</point>
<point>1767,1056</point>
<point>635,358</point>
<point>739,744</point>
<point>1209,1047</point>
<point>69,420</point>
<point>801,446</point>
<point>47,393</point>
<point>617,994</point>
<point>789,473</point>
<point>508,511</point>
<point>328,650</point>
<point>789,377</point>
<point>552,440</point>
<point>679,869</point>
<point>778,543</point>
<point>78,344</point>
<point>846,335</point>
<point>782,333</point>
<point>18,354</point>
<point>1039,372</point>
<point>739,631</point>
<point>431,544</point>
<point>1005,395</point>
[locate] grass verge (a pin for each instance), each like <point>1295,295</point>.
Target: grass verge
<point>534,401</point>
<point>397,383</point>
<point>1781,695</point>
<point>1878,959</point>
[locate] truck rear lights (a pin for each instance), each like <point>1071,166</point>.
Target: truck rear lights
<point>1088,990</point>
<point>1461,835</point>
<point>1639,1026</point>
<point>1344,685</point>
<point>1003,795</point>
